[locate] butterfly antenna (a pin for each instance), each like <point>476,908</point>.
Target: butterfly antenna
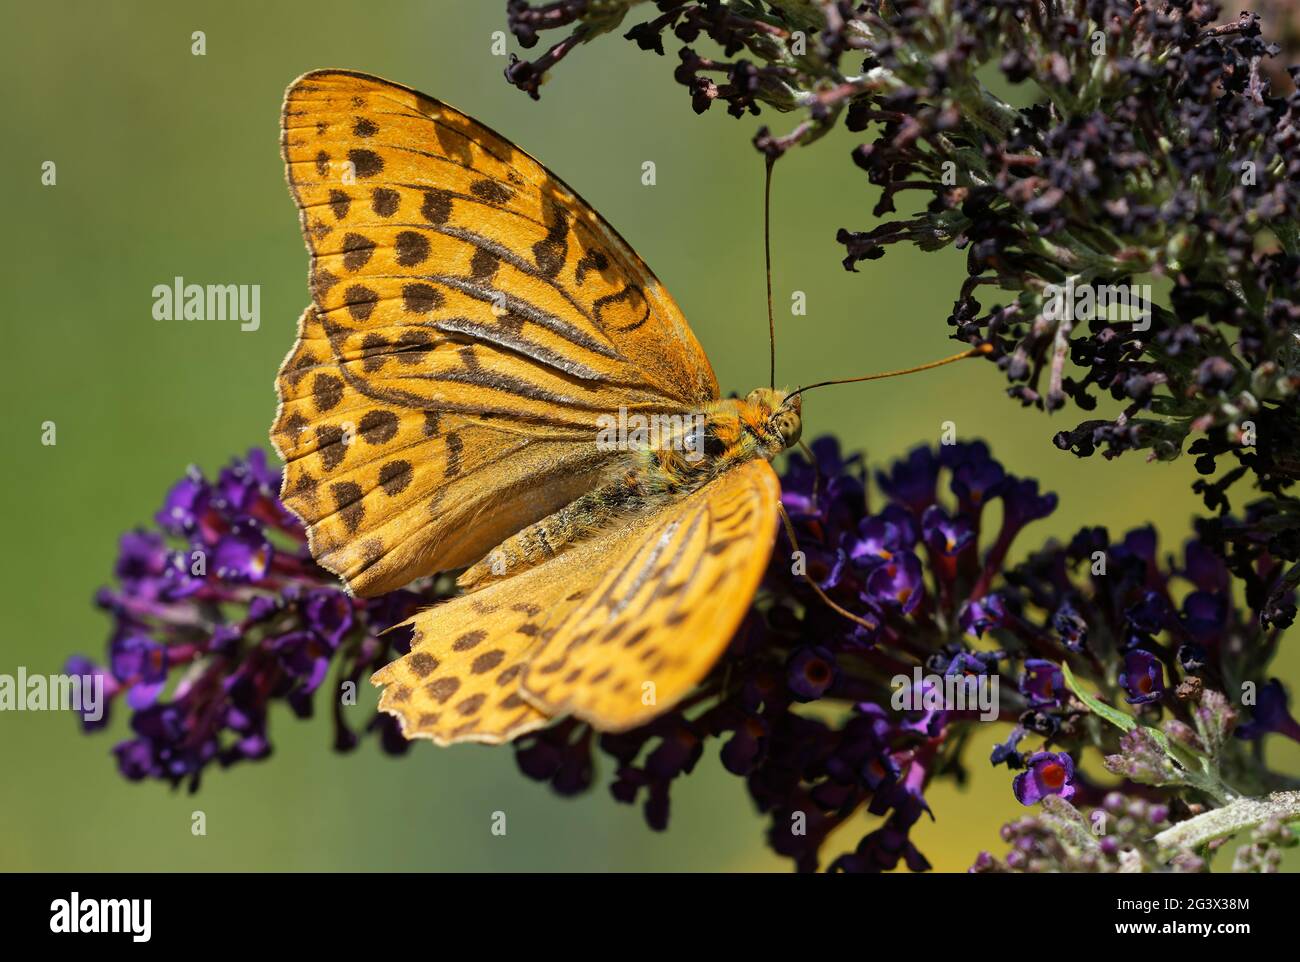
<point>973,352</point>
<point>789,533</point>
<point>767,260</point>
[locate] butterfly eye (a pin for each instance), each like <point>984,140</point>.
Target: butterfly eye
<point>790,426</point>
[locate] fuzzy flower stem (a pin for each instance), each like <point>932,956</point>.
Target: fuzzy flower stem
<point>1233,817</point>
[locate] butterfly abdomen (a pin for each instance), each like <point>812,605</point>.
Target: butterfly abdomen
<point>557,532</point>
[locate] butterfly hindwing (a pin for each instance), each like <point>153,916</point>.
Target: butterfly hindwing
<point>460,681</point>
<point>471,319</point>
<point>616,630</point>
<point>666,607</point>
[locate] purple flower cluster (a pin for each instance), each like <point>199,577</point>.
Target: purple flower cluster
<point>1118,836</point>
<point>218,612</point>
<point>927,576</point>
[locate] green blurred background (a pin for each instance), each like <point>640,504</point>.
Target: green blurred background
<point>168,164</point>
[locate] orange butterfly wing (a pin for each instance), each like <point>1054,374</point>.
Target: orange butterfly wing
<point>616,630</point>
<point>666,609</point>
<point>471,319</point>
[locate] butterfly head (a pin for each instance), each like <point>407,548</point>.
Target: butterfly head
<point>780,415</point>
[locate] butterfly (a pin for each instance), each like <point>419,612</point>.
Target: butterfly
<point>475,328</point>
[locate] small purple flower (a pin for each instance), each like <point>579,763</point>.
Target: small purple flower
<point>1022,503</point>
<point>1151,614</point>
<point>1141,542</point>
<point>745,748</point>
<point>1205,615</point>
<point>179,579</point>
<point>241,484</point>
<point>243,554</point>
<point>92,674</point>
<point>898,583</point>
<point>139,664</point>
<point>982,614</point>
<point>305,658</point>
<point>976,480</point>
<point>1042,682</point>
<point>948,536</point>
<point>882,536</point>
<point>971,662</point>
<point>186,504</point>
<point>1143,677</point>
<point>879,770</point>
<point>1134,558</point>
<point>1205,569</point>
<point>328,613</point>
<point>1005,752</point>
<point>911,482</point>
<point>927,715</point>
<point>141,562</point>
<point>1047,773</point>
<point>1070,626</point>
<point>815,489</point>
<point>1191,658</point>
<point>810,673</point>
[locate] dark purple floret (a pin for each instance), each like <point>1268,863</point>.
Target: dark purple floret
<point>1042,682</point>
<point>186,505</point>
<point>810,673</point>
<point>242,554</point>
<point>1206,616</point>
<point>1046,773</point>
<point>1022,503</point>
<point>946,535</point>
<point>1143,677</point>
<point>898,583</point>
<point>977,479</point>
<point>1070,626</point>
<point>140,665</point>
<point>1151,614</point>
<point>981,614</point>
<point>1005,752</point>
<point>911,482</point>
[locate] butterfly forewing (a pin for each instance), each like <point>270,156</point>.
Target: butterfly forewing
<point>471,318</point>
<point>389,492</point>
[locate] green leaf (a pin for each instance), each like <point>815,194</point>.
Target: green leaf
<point>1117,718</point>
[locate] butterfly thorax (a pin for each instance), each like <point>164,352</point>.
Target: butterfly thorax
<point>666,459</point>
<point>724,434</point>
